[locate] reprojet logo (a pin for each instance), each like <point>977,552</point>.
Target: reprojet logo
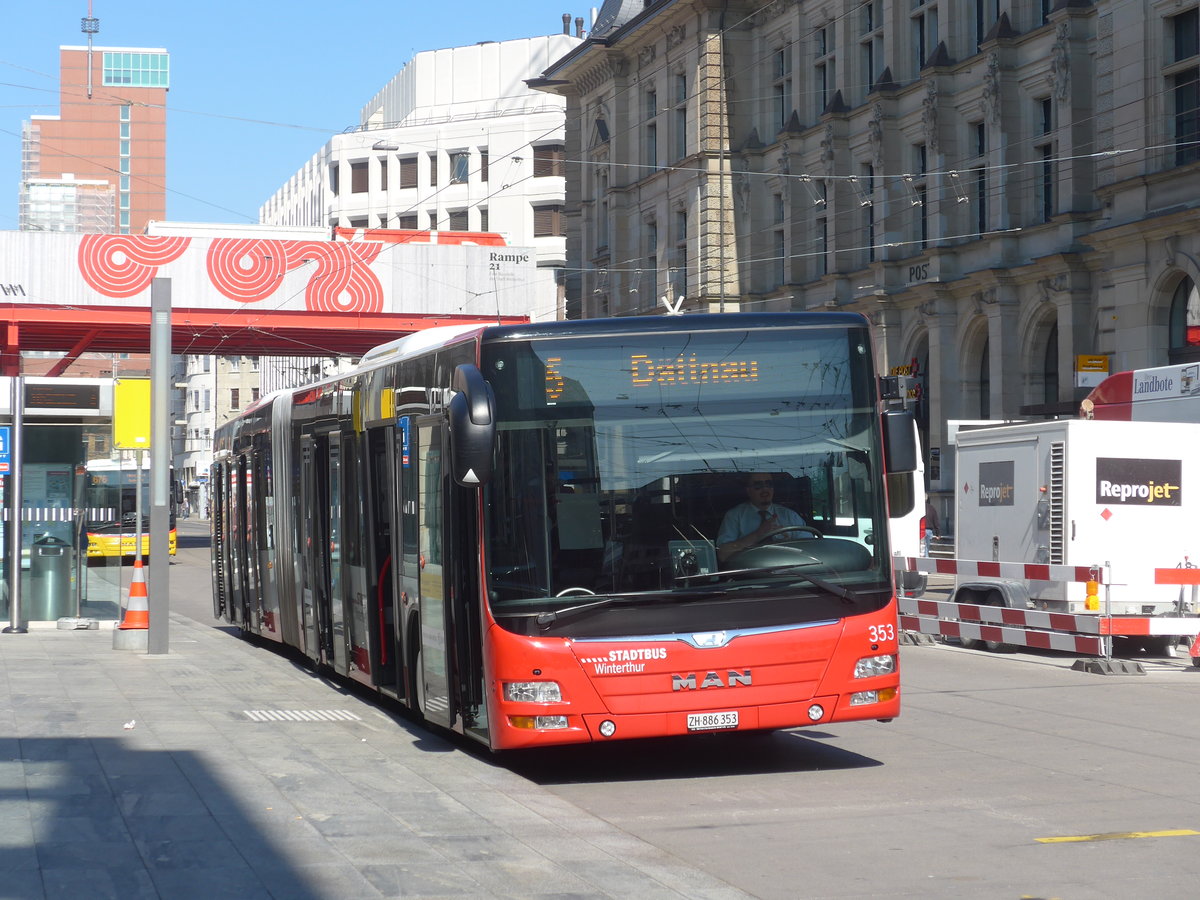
<point>995,494</point>
<point>996,483</point>
<point>1147,493</point>
<point>1139,482</point>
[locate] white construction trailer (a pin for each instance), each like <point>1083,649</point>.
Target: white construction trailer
<point>1081,492</point>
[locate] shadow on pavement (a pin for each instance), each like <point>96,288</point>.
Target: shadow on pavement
<point>695,756</point>
<point>108,821</point>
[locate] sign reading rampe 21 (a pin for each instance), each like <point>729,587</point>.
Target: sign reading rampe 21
<point>1139,482</point>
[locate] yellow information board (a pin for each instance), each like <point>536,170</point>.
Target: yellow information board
<point>1090,370</point>
<point>131,414</point>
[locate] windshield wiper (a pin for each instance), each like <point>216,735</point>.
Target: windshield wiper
<point>836,589</point>
<point>546,619</point>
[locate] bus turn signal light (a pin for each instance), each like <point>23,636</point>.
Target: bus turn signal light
<point>543,722</point>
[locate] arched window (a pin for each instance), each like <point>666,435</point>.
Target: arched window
<point>1185,323</point>
<point>985,382</point>
<point>1050,368</point>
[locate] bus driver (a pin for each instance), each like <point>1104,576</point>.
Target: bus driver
<point>748,523</point>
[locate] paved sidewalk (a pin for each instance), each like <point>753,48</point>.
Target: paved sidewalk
<point>127,775</point>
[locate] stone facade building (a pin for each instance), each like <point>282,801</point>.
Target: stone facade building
<point>1000,185</point>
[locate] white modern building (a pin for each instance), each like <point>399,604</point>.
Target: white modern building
<point>456,141</point>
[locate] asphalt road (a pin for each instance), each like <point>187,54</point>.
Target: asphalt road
<point>1007,775</point>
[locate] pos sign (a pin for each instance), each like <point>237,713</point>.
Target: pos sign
<point>4,458</point>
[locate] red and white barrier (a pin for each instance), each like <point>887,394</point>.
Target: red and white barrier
<point>1088,645</point>
<point>982,568</point>
<point>1085,633</point>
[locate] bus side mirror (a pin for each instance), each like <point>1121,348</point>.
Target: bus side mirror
<point>472,414</point>
<point>899,441</point>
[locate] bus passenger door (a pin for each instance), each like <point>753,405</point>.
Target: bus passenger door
<point>433,674</point>
<point>233,523</point>
<point>335,620</point>
<point>217,512</point>
<point>250,572</point>
<point>314,506</point>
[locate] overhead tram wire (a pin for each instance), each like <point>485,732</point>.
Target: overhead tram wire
<point>883,178</point>
<point>758,60</point>
<point>748,67</point>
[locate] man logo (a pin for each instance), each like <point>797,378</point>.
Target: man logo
<point>711,680</point>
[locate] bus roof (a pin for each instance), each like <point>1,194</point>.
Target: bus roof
<point>431,338</point>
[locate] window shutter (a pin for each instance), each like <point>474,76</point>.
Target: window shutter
<point>408,172</point>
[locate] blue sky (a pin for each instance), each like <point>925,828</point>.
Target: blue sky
<point>257,86</point>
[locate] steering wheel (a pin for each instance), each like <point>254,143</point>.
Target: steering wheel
<point>574,590</point>
<point>784,529</point>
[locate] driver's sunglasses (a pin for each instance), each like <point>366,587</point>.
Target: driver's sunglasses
<point>762,484</point>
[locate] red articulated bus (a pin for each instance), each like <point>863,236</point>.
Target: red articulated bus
<point>514,530</point>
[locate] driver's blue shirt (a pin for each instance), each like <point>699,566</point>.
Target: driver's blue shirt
<point>744,518</point>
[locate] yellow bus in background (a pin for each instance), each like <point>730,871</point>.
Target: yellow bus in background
<point>110,510</point>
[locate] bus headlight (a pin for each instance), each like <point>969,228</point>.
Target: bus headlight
<point>870,666</point>
<point>532,691</point>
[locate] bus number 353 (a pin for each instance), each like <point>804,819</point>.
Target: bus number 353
<point>881,633</point>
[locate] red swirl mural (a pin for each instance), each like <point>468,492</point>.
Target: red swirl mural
<point>246,269</point>
<point>342,280</point>
<point>122,265</point>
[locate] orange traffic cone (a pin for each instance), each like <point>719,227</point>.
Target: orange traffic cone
<point>137,612</point>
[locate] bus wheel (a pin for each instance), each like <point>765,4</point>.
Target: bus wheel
<point>417,677</point>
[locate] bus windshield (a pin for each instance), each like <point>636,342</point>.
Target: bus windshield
<point>111,499</point>
<point>618,458</point>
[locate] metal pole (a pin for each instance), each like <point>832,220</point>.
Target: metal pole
<point>140,464</point>
<point>16,624</point>
<point>1108,608</point>
<point>160,463</point>
<point>79,525</point>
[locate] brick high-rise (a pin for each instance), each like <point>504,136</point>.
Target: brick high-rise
<point>100,164</point>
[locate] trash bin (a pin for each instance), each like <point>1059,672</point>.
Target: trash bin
<point>49,581</point>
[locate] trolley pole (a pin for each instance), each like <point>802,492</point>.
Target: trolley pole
<point>16,624</point>
<point>160,463</point>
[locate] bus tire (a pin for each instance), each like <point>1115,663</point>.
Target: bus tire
<point>416,695</point>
